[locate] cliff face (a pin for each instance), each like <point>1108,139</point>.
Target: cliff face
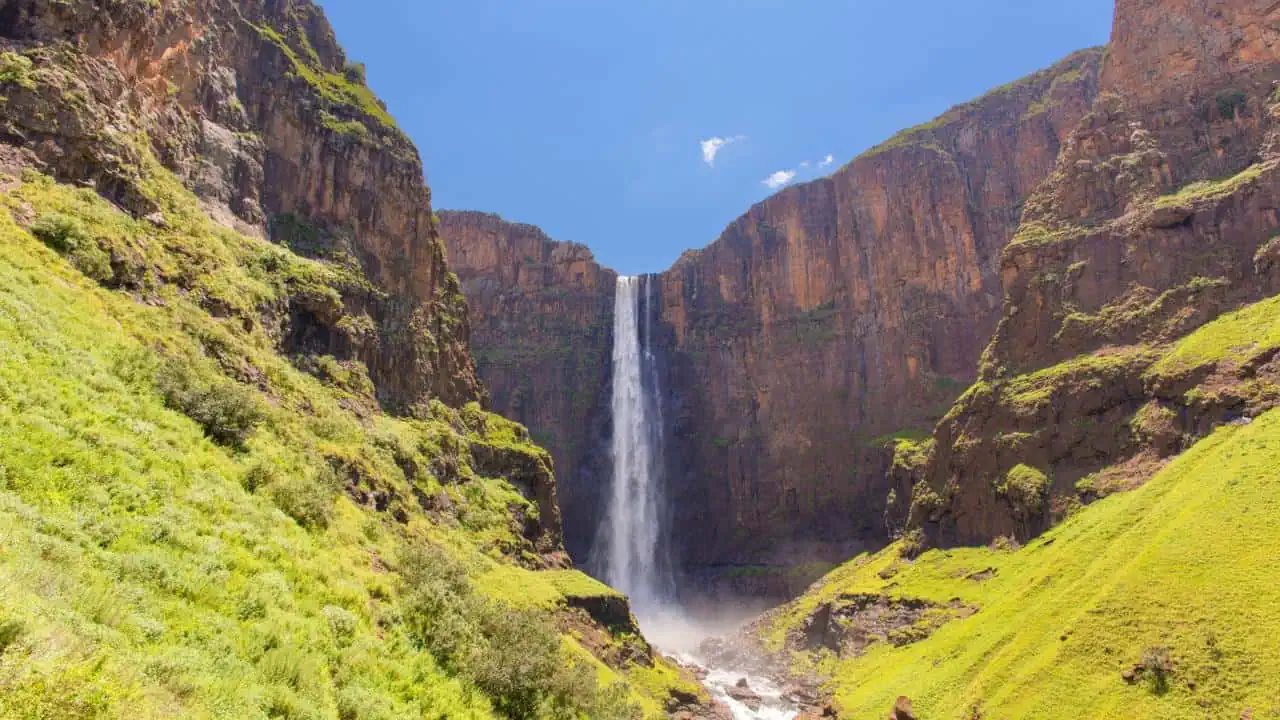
<point>1156,220</point>
<point>832,314</point>
<point>542,323</point>
<point>254,106</point>
<point>843,310</point>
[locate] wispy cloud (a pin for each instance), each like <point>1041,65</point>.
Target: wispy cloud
<point>780,178</point>
<point>784,177</point>
<point>712,147</point>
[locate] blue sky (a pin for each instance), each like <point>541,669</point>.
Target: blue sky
<point>591,118</point>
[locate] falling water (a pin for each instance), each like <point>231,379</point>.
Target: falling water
<point>632,525</point>
<point>633,521</point>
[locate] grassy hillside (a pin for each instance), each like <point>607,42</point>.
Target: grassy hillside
<point>193,526</point>
<point>1173,584</point>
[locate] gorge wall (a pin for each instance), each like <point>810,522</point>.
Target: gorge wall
<point>1159,218</point>
<point>830,316</point>
<point>844,310</point>
<point>542,333</point>
<point>255,107</point>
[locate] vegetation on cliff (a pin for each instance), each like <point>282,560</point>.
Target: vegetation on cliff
<point>194,525</point>
<point>1068,625</point>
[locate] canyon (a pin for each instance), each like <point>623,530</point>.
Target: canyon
<point>990,414</point>
<point>830,318</point>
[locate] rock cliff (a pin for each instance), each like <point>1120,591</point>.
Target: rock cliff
<point>1156,220</point>
<point>844,310</point>
<point>254,106</point>
<point>542,331</point>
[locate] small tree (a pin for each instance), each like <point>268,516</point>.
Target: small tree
<point>1158,664</point>
<point>356,73</point>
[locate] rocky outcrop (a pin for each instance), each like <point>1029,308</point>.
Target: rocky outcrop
<point>844,310</point>
<point>1155,221</point>
<point>253,106</point>
<point>541,314</point>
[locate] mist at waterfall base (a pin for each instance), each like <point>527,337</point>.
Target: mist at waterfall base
<point>631,555</point>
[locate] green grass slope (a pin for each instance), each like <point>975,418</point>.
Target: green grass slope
<point>175,538</point>
<point>1181,572</point>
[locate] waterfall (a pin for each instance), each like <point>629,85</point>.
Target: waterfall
<point>632,523</point>
<point>630,556</point>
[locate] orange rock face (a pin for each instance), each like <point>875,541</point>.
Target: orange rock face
<point>1155,221</point>
<point>253,106</point>
<point>542,332</point>
<point>843,310</point>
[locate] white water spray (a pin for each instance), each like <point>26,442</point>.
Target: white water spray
<point>633,520</point>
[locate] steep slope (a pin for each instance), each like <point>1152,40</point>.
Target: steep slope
<point>254,107</point>
<point>1159,217</point>
<point>243,469</point>
<point>1157,603</point>
<point>542,328</point>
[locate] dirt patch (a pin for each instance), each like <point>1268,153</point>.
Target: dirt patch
<point>851,624</point>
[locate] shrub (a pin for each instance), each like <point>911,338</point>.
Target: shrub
<point>914,543</point>
<point>68,236</point>
<point>356,73</point>
<point>342,623</point>
<point>258,477</point>
<point>10,632</point>
<point>1158,664</point>
<point>309,502</point>
<point>1230,102</point>
<point>15,69</point>
<point>228,411</point>
<point>1004,543</point>
<point>60,232</point>
<point>512,655</point>
<point>1026,489</point>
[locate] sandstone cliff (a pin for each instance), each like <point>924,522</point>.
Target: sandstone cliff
<point>844,310</point>
<point>542,323</point>
<point>1157,219</point>
<point>255,107</point>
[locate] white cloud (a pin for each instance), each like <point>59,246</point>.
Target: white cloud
<point>780,178</point>
<point>827,161</point>
<point>805,165</point>
<point>712,147</point>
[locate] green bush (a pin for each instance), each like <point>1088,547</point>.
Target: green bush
<point>228,411</point>
<point>309,501</point>
<point>10,632</point>
<point>68,236</point>
<point>1026,489</point>
<point>16,69</point>
<point>512,655</point>
<point>1158,664</point>
<point>1230,102</point>
<point>356,73</point>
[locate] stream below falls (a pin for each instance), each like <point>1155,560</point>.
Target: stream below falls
<point>748,696</point>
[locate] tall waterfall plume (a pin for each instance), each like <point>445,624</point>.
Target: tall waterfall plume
<point>632,525</point>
